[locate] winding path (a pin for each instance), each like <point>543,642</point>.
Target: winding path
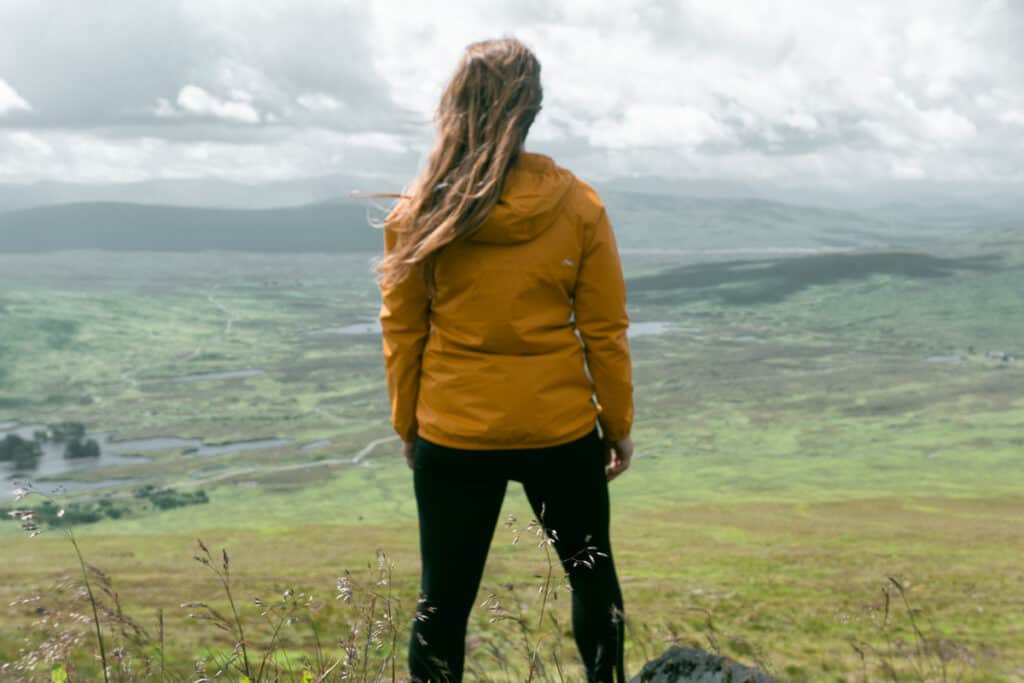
<point>231,318</point>
<point>223,309</point>
<point>357,459</point>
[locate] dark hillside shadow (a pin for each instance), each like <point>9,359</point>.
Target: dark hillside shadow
<point>771,281</point>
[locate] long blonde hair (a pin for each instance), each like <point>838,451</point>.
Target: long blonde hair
<point>482,121</point>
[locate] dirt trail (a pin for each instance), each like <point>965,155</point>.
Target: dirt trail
<point>357,459</point>
<point>231,318</point>
<point>223,309</point>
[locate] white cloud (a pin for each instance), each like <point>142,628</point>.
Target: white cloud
<point>658,126</point>
<point>1012,117</point>
<point>946,126</point>
<point>706,86</point>
<point>164,108</point>
<point>30,143</point>
<point>379,141</point>
<point>904,169</point>
<point>802,120</point>
<point>73,157</point>
<point>10,100</point>
<point>82,157</point>
<point>888,135</point>
<point>318,102</point>
<point>822,92</point>
<point>194,99</point>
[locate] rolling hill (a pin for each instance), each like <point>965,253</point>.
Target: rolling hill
<point>321,227</point>
<point>642,222</point>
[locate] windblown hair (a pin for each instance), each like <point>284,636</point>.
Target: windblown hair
<point>482,121</point>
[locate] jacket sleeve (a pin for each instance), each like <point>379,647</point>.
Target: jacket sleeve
<point>601,318</point>
<point>405,325</point>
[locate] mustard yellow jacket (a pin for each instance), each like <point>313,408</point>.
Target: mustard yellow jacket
<point>527,326</point>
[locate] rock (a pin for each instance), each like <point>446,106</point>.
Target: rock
<point>690,665</point>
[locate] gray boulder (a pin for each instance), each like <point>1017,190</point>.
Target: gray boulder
<point>690,665</point>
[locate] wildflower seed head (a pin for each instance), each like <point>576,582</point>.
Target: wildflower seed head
<point>344,589</point>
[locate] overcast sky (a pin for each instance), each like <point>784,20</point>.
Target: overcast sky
<point>822,93</point>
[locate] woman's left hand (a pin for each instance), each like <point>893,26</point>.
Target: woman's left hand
<point>618,456</point>
<point>407,450</point>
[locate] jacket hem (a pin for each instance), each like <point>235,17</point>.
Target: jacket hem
<point>469,443</point>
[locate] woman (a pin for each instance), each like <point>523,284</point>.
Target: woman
<point>503,314</point>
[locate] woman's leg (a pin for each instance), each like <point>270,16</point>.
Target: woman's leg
<point>458,502</point>
<point>567,484</point>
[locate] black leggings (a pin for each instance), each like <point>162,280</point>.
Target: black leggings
<point>459,494</point>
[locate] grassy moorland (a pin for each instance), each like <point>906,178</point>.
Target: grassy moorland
<point>808,427</point>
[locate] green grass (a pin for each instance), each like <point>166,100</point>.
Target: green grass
<point>793,452</point>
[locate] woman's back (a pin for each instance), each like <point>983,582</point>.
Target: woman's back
<point>503,367</point>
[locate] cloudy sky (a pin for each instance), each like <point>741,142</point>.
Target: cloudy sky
<point>819,93</point>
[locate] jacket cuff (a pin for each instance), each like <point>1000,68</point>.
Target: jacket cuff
<point>616,432</point>
<point>407,434</point>
<point>616,435</point>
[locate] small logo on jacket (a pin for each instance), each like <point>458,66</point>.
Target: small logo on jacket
<point>567,262</point>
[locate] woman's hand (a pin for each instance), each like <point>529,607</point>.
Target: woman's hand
<point>618,455</point>
<point>407,450</point>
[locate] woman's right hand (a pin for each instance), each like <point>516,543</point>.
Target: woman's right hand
<point>618,455</point>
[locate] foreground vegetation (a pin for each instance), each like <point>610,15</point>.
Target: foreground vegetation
<point>802,591</point>
<point>819,438</point>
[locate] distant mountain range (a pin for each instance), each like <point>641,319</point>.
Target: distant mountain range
<point>660,221</point>
<point>317,215</point>
<point>193,192</point>
<point>321,227</point>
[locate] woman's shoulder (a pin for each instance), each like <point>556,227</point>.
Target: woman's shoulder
<point>579,196</point>
<point>582,192</point>
<point>586,200</point>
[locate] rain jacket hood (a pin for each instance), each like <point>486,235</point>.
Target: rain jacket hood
<point>534,189</point>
